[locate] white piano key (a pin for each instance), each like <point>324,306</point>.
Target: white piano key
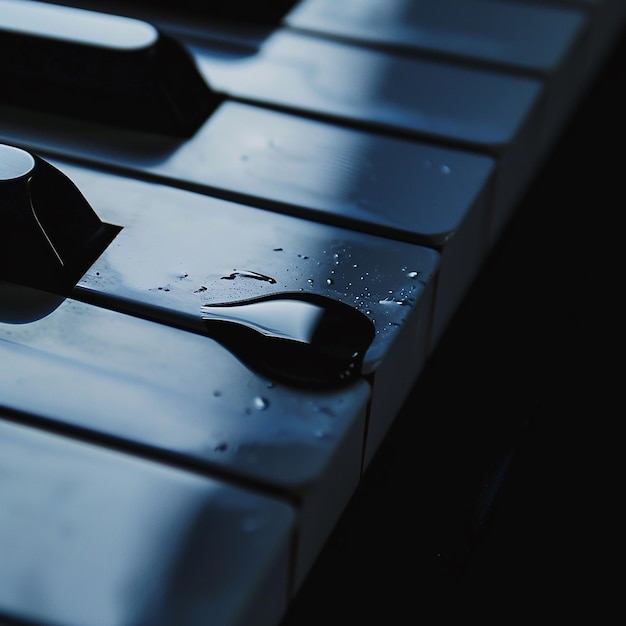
<point>416,192</point>
<point>545,41</point>
<point>390,92</point>
<point>184,398</point>
<point>531,38</point>
<point>176,250</point>
<point>94,537</point>
<point>497,114</point>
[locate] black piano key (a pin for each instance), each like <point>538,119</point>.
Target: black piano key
<point>50,234</point>
<point>265,12</point>
<point>105,68</point>
<point>261,12</point>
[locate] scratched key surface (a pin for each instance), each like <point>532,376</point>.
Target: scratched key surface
<point>91,536</point>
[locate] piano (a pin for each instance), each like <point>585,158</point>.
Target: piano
<point>282,293</point>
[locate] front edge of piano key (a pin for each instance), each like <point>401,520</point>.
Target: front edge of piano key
<point>93,536</point>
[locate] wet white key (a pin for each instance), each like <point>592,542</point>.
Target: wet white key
<point>177,251</point>
<point>392,187</point>
<point>93,537</point>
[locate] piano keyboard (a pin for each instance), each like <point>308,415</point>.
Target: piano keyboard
<point>164,265</point>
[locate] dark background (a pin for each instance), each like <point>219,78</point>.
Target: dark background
<point>496,492</point>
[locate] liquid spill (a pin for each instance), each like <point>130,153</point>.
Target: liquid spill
<point>296,338</point>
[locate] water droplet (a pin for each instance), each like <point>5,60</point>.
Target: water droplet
<point>329,281</point>
<point>260,403</point>
<point>413,274</point>
<point>394,301</point>
<point>321,433</point>
<point>445,169</point>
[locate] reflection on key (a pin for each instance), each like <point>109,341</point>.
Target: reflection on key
<point>49,233</point>
<point>100,67</point>
<point>298,338</point>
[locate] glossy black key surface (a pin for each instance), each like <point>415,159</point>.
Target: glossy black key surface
<point>100,67</point>
<point>49,233</point>
<point>266,12</point>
